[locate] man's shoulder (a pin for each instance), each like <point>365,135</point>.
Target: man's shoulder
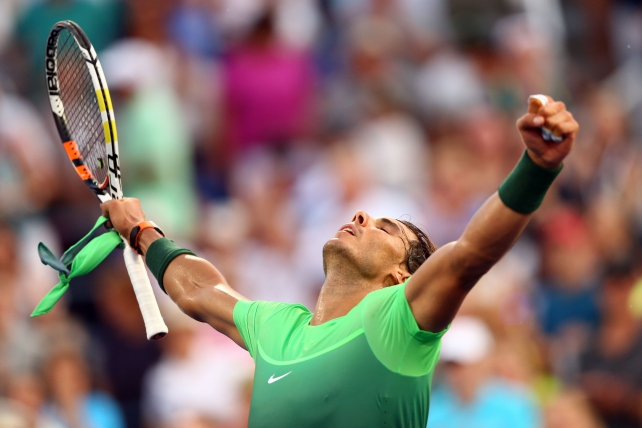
<point>264,309</point>
<point>387,291</point>
<point>387,303</point>
<point>383,295</point>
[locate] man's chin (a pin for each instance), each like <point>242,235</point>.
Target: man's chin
<point>332,245</point>
<point>337,242</point>
<point>336,249</point>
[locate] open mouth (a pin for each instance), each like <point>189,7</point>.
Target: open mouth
<point>348,228</point>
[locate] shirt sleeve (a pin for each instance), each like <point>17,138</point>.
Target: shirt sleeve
<point>249,316</point>
<point>395,337</point>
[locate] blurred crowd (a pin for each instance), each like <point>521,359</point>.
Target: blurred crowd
<point>252,129</point>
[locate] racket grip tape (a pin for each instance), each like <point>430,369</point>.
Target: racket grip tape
<point>154,325</point>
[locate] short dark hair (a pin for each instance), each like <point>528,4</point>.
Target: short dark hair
<point>419,249</point>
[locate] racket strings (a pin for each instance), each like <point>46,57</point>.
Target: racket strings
<point>73,69</point>
<point>82,110</point>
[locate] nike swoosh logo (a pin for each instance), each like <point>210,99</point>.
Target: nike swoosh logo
<point>273,379</point>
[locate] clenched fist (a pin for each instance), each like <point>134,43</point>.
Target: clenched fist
<point>554,117</point>
<point>123,214</point>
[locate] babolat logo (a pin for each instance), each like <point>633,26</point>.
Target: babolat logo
<point>50,63</point>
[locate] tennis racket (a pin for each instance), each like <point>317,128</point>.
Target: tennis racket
<point>84,116</point>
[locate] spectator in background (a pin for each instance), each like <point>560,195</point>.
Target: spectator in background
<point>30,182</point>
<point>567,294</point>
<point>27,159</point>
<point>373,78</point>
<point>101,20</point>
<point>590,41</point>
<point>392,145</point>
<point>149,19</point>
<point>447,85</point>
<point>453,190</point>
<point>8,317</point>
<point>26,393</point>
<point>472,22</point>
<point>472,396</point>
<point>269,90</point>
<point>570,409</point>
<point>155,142</point>
<point>126,353</point>
<point>611,373</point>
<point>8,12</point>
<point>263,182</point>
<point>14,415</point>
<point>192,27</point>
<point>73,402</point>
<point>197,382</point>
<point>527,47</point>
<point>18,355</point>
<point>609,154</point>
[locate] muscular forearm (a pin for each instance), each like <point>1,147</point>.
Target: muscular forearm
<point>490,234</point>
<point>496,226</point>
<point>186,276</point>
<point>198,288</point>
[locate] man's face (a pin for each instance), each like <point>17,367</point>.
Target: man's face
<point>376,247</point>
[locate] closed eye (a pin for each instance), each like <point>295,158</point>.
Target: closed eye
<point>381,228</point>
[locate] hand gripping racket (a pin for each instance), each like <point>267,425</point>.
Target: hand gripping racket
<point>547,134</point>
<point>84,116</point>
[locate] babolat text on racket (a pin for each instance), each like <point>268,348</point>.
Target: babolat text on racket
<point>84,116</point>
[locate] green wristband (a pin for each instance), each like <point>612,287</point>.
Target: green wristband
<point>160,254</point>
<point>525,187</point>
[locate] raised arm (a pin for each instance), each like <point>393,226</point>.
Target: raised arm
<point>194,284</point>
<point>436,291</point>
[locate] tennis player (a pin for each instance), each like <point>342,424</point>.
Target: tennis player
<point>366,355</point>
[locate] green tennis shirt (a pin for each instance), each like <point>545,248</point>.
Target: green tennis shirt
<point>370,368</point>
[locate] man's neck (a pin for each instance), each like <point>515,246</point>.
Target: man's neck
<point>339,295</point>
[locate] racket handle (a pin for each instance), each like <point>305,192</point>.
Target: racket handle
<point>154,324</point>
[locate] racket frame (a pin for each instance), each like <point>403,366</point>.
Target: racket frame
<point>113,181</point>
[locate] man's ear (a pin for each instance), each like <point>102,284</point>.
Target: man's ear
<point>400,277</point>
